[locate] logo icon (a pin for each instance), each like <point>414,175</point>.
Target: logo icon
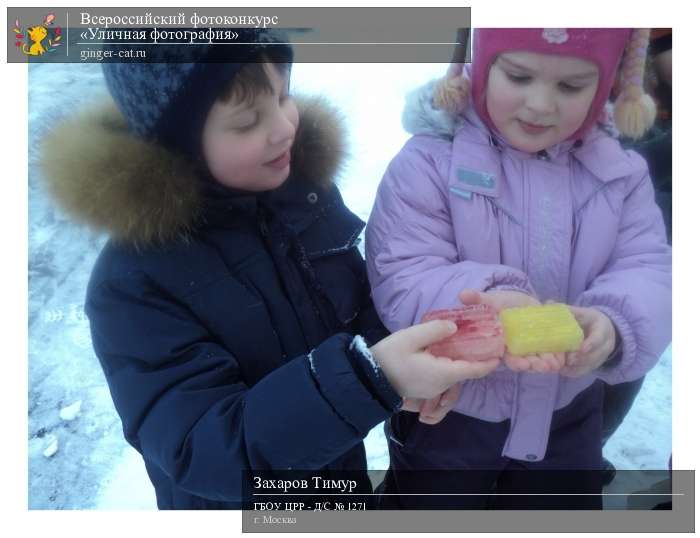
<point>36,36</point>
<point>555,35</point>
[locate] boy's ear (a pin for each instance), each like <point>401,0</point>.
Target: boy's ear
<point>320,144</point>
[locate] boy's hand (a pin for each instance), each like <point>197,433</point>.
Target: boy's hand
<point>598,343</point>
<point>543,362</point>
<point>435,409</point>
<point>415,373</point>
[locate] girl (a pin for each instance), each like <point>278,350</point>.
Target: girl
<point>525,197</point>
<point>230,310</point>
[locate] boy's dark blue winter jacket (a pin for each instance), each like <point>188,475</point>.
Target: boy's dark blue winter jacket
<point>224,321</point>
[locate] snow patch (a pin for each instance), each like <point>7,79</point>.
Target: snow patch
<point>52,447</point>
<point>359,344</point>
<point>69,413</point>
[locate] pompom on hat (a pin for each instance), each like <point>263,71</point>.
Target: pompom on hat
<point>608,48</point>
<point>452,94</point>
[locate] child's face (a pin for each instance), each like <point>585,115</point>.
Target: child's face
<point>538,100</point>
<point>247,146</point>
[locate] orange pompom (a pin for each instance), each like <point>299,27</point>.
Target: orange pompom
<point>452,93</point>
<point>634,117</point>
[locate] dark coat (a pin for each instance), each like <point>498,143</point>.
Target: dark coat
<point>223,321</point>
<point>655,147</point>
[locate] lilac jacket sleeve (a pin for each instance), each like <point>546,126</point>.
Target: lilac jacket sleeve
<point>634,290</point>
<point>413,262</point>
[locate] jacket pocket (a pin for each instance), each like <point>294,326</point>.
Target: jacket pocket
<point>343,281</point>
<point>329,258</point>
<point>238,318</point>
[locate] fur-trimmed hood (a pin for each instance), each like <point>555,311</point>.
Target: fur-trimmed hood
<point>420,116</point>
<point>142,193</point>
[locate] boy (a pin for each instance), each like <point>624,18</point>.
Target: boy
<point>230,310</point>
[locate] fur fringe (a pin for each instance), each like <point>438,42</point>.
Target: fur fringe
<point>142,193</point>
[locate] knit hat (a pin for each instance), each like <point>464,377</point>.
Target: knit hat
<point>634,110</point>
<point>168,100</point>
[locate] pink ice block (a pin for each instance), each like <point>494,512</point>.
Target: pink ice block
<point>479,334</point>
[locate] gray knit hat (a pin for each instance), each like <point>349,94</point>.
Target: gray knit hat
<point>168,99</point>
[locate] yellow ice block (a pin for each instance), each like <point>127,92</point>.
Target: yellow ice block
<point>550,328</point>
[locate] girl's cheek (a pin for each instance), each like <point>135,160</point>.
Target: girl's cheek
<point>509,100</point>
<point>581,113</point>
<point>502,97</point>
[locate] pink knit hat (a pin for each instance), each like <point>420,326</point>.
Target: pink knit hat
<point>634,110</point>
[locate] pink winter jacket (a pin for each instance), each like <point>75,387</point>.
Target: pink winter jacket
<point>458,208</point>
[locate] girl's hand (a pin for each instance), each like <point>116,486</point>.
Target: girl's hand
<point>541,363</point>
<point>497,299</point>
<point>598,343</point>
<point>434,410</point>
